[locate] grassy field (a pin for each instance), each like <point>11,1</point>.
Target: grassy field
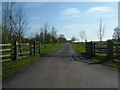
<point>80,48</point>
<point>50,48</point>
<point>10,67</point>
<point>99,57</point>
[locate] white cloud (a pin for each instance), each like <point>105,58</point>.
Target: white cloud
<point>100,9</point>
<point>70,13</point>
<point>105,12</point>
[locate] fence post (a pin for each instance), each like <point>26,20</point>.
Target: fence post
<point>15,50</point>
<point>110,50</point>
<point>34,47</point>
<point>30,48</point>
<point>94,49</point>
<point>39,47</point>
<point>89,49</point>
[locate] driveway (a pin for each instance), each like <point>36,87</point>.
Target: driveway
<point>60,70</point>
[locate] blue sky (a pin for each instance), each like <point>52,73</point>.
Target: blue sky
<point>70,18</point>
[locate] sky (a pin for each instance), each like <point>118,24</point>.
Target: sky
<point>70,18</point>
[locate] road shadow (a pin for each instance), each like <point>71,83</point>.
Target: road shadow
<point>79,58</point>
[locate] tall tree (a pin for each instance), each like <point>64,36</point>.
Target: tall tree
<point>83,36</point>
<point>101,30</point>
<point>41,35</point>
<point>45,32</point>
<point>20,22</point>
<point>8,11</point>
<point>62,38</point>
<point>14,20</point>
<point>53,35</point>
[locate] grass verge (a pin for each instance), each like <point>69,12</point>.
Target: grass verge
<point>10,67</point>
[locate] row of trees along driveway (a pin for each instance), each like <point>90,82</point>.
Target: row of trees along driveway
<point>15,25</point>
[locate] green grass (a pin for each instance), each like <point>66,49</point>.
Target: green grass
<point>10,67</point>
<point>114,66</point>
<point>101,58</point>
<point>50,48</point>
<point>80,48</point>
<point>98,58</point>
<point>116,60</point>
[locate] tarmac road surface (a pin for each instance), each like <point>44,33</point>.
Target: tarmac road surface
<point>59,70</point>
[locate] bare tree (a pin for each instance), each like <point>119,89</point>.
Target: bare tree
<point>53,35</point>
<point>41,35</point>
<point>45,32</point>
<point>101,31</point>
<point>20,22</point>
<point>14,20</point>
<point>8,11</point>
<point>83,36</point>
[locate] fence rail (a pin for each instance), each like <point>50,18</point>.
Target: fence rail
<point>4,50</point>
<point>111,49</point>
<point>19,50</point>
<point>5,55</point>
<point>23,43</point>
<point>5,44</point>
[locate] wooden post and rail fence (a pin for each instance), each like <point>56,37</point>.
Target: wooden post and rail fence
<point>110,48</point>
<point>19,50</point>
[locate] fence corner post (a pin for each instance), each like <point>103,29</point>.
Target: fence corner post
<point>110,50</point>
<point>15,50</point>
<point>89,49</point>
